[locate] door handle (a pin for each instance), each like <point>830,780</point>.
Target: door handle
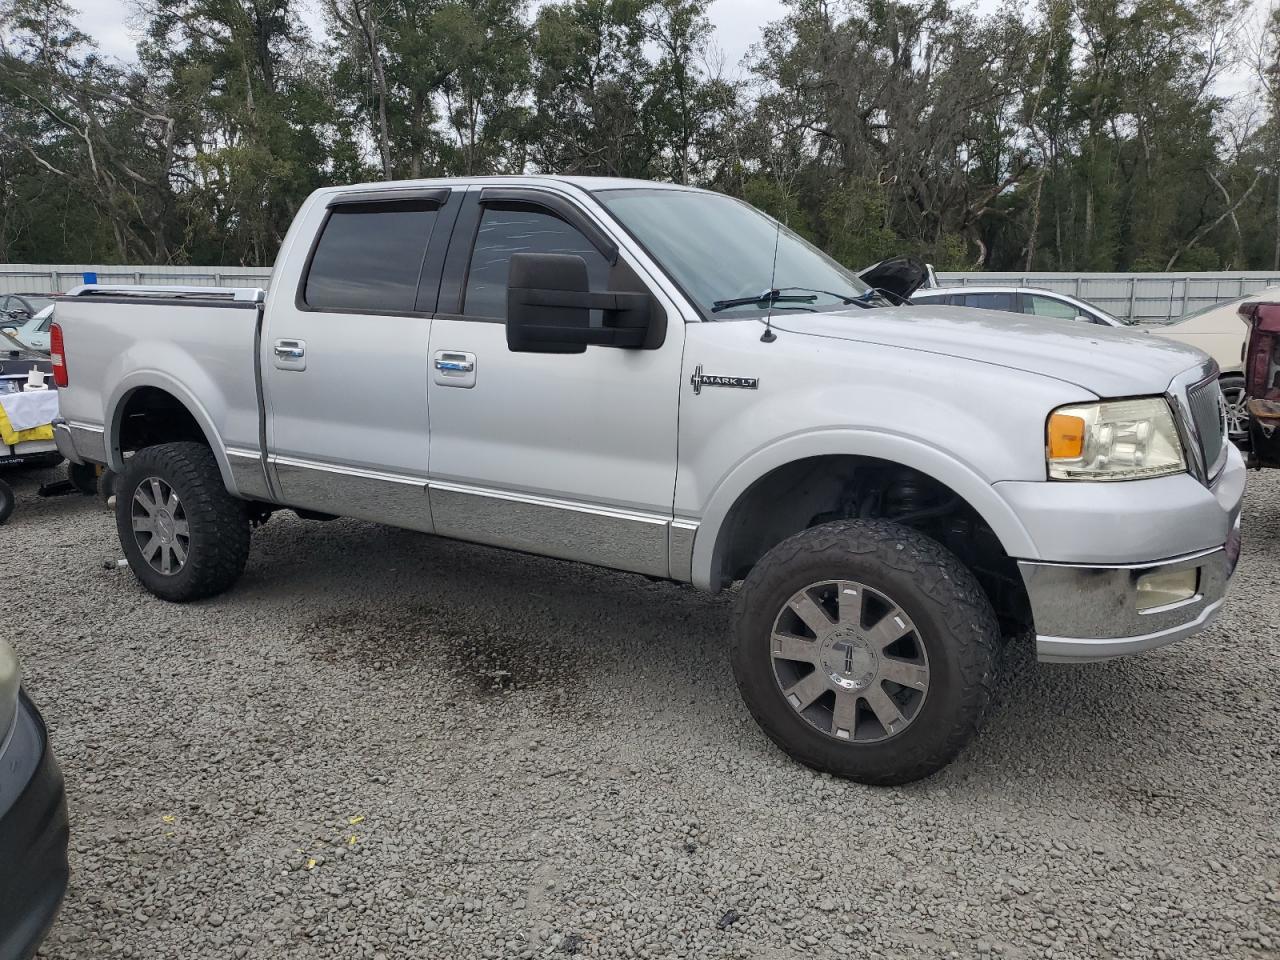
<point>454,368</point>
<point>290,354</point>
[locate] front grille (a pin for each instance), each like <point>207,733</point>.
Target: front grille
<point>1208,416</point>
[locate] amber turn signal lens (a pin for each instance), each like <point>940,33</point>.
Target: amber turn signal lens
<point>1066,437</point>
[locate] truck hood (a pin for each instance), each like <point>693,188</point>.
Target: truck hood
<point>1109,361</point>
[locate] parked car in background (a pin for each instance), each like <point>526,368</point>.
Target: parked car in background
<point>1219,332</point>
<point>1029,300</point>
<point>1261,320</point>
<point>33,819</point>
<point>664,380</point>
<point>34,331</point>
<point>18,308</point>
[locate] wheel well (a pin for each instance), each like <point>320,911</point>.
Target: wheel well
<point>152,416</point>
<point>817,490</point>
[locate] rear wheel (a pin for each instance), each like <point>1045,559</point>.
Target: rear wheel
<point>865,649</point>
<point>184,535</point>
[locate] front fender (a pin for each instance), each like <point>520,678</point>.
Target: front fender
<point>907,451</point>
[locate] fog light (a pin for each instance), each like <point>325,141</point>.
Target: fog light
<point>1164,587</point>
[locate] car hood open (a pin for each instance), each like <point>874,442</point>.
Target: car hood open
<point>1109,361</point>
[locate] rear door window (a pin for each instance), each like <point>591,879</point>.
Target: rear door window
<point>369,257</point>
<point>1043,306</point>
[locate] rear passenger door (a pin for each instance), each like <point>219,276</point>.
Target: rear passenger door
<point>344,356</point>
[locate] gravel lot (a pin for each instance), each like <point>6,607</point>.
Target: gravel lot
<point>386,745</point>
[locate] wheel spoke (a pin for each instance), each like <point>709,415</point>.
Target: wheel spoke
<point>179,552</point>
<point>150,550</point>
<point>849,604</point>
<point>788,647</point>
<point>804,692</point>
<point>143,499</point>
<point>157,493</point>
<point>845,718</point>
<point>181,528</point>
<point>166,558</point>
<point>883,707</point>
<point>172,503</point>
<point>893,626</point>
<point>814,617</point>
<point>144,524</point>
<point>907,674</point>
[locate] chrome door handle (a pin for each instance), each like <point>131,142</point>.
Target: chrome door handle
<point>290,350</point>
<point>454,368</point>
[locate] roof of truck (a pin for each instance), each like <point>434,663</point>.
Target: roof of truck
<point>590,184</point>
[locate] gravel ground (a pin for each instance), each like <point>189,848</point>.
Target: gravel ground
<point>387,745</point>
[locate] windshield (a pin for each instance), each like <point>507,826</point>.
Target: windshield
<point>719,249</point>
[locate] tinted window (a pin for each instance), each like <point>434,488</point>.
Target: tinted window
<point>370,255</point>
<point>990,301</point>
<point>1049,307</point>
<point>520,228</point>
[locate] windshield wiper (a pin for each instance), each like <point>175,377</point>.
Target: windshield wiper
<point>767,297</point>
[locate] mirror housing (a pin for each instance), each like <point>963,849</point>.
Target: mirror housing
<point>549,305</point>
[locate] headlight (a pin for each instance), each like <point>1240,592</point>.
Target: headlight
<point>10,680</point>
<point>1114,440</point>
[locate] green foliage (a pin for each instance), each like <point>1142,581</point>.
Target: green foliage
<point>1078,134</point>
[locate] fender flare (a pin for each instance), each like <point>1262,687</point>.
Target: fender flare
<point>161,381</point>
<point>968,484</point>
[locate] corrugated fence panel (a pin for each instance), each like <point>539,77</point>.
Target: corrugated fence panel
<point>58,278</point>
<point>1151,297</point>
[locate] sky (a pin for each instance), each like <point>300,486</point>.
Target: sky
<point>737,22</point>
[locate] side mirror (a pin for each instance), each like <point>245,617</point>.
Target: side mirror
<point>549,305</point>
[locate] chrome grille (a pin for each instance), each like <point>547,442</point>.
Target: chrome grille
<point>1209,417</point>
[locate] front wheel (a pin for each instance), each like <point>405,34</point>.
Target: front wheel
<point>184,535</point>
<point>866,650</point>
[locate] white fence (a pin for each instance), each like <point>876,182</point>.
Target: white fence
<point>1150,297</point>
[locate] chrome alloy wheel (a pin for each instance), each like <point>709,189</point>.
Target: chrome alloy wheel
<point>160,526</point>
<point>1233,402</point>
<point>850,661</point>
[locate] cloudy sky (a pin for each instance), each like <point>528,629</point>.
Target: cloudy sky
<point>737,22</point>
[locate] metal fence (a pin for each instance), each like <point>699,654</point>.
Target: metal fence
<point>1148,297</point>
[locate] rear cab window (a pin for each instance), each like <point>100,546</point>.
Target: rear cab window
<point>369,256</point>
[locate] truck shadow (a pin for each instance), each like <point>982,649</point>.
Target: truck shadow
<point>568,641</point>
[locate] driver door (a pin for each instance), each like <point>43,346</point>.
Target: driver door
<point>567,455</point>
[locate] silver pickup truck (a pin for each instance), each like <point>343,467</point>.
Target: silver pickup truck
<point>664,380</point>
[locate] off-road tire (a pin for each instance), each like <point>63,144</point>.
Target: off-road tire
<point>218,522</point>
<point>955,623</point>
<point>7,501</point>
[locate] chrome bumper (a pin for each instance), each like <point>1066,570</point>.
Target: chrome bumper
<point>1087,613</point>
<point>66,443</point>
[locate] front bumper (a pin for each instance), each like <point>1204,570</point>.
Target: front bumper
<point>33,837</point>
<point>1084,601</point>
<point>1090,612</point>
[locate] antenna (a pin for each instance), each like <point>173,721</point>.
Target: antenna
<point>769,336</point>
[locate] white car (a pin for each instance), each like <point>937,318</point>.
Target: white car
<point>1030,300</point>
<point>34,331</point>
<point>1219,331</point>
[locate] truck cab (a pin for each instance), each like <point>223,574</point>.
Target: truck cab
<point>663,380</point>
